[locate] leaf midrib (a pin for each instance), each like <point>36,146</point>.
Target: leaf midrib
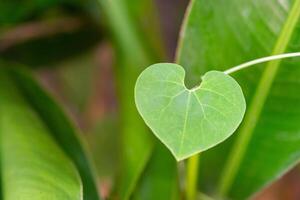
<point>238,151</point>
<point>185,121</point>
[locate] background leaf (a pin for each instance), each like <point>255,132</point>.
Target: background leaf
<point>133,55</point>
<point>22,10</point>
<point>60,127</point>
<point>77,78</point>
<point>136,142</point>
<point>54,41</point>
<point>159,180</point>
<point>33,166</point>
<point>215,38</point>
<point>102,139</point>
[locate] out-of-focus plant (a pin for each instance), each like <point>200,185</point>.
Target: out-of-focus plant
<point>242,150</point>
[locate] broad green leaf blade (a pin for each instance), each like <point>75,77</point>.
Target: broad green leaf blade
<point>159,180</point>
<point>33,166</point>
<point>147,22</point>
<point>134,54</point>
<point>188,121</point>
<point>221,34</point>
<point>77,76</point>
<point>103,138</point>
<point>59,127</point>
<point>136,142</point>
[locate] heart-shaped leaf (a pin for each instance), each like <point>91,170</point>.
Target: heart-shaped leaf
<point>188,121</point>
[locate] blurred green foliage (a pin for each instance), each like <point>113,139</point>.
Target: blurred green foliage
<point>62,37</point>
<point>13,12</point>
<point>43,52</point>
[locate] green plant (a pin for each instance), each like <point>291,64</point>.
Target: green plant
<point>197,105</point>
<point>42,157</point>
<point>189,121</point>
<point>261,132</point>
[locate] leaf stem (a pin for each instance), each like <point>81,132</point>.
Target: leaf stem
<point>260,60</point>
<point>192,177</point>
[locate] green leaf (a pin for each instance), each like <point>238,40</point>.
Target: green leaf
<point>33,166</point>
<point>221,34</point>
<point>24,10</point>
<point>147,22</point>
<point>159,180</point>
<point>103,138</point>
<point>44,51</point>
<point>59,127</point>
<point>136,141</point>
<point>188,121</point>
<point>77,76</point>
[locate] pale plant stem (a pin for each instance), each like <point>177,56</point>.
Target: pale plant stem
<point>192,177</point>
<point>260,60</point>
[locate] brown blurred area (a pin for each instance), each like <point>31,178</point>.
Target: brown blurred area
<point>101,96</point>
